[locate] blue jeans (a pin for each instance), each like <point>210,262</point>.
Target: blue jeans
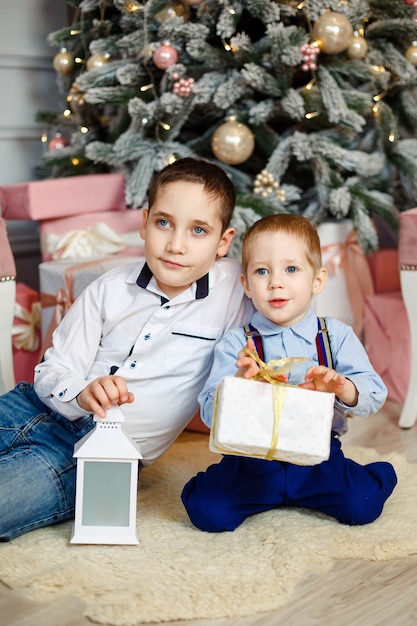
<point>37,468</point>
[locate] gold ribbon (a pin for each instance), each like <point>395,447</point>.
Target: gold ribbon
<point>24,335</point>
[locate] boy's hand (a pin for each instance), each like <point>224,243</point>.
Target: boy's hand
<point>248,368</point>
<point>321,378</point>
<point>103,393</point>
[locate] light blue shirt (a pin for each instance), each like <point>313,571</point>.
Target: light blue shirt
<point>348,353</point>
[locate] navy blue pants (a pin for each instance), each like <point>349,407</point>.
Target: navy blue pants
<point>223,496</point>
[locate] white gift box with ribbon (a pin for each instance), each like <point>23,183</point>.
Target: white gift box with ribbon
<point>272,421</point>
<point>349,275</point>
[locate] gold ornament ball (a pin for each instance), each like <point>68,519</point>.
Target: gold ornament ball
<point>63,62</point>
<point>96,60</point>
<point>411,54</point>
<point>357,48</point>
<point>232,142</point>
<point>333,32</point>
<point>176,8</point>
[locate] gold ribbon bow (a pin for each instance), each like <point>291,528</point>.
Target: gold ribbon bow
<point>269,371</point>
<point>24,335</point>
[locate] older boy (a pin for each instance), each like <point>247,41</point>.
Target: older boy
<point>141,337</point>
<point>282,270</point>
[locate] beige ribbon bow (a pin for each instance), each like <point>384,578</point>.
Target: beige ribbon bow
<point>24,335</point>
<point>96,240</point>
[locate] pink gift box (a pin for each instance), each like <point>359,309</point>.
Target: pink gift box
<point>385,270</point>
<point>25,359</point>
<point>387,341</point>
<point>46,199</point>
<point>124,224</point>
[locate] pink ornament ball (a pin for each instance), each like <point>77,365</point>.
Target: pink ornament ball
<point>165,56</point>
<point>57,143</point>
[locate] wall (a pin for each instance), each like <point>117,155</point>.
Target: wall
<point>28,84</point>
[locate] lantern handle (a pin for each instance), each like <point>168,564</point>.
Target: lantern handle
<point>114,414</point>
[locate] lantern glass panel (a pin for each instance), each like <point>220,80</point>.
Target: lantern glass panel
<point>106,496</point>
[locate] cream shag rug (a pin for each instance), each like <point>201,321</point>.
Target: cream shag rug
<point>178,572</point>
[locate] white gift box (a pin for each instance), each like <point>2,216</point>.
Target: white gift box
<point>272,421</point>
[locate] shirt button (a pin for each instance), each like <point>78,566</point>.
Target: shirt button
<point>166,307</point>
<point>148,336</point>
<point>133,364</point>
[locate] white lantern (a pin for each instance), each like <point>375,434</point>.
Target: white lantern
<point>106,488</point>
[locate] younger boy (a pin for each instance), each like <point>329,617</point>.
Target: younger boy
<point>140,336</point>
<point>282,270</point>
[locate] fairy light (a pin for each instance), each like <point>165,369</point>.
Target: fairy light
<point>78,60</point>
<point>67,113</point>
<point>378,97</point>
<point>226,46</point>
<point>44,137</point>
<point>391,137</point>
<point>132,7</point>
<point>83,129</point>
<point>75,161</point>
<point>300,6</point>
<point>75,32</point>
<point>171,159</point>
<point>165,126</point>
<point>375,109</point>
<point>231,10</point>
<point>310,116</point>
<point>145,87</point>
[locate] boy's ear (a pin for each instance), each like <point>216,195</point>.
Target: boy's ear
<point>145,214</point>
<point>225,241</point>
<point>320,281</point>
<point>245,286</point>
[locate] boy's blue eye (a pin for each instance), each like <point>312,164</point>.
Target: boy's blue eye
<point>291,269</point>
<point>163,223</point>
<point>262,271</point>
<point>199,230</point>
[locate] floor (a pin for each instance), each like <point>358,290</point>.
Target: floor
<point>354,593</point>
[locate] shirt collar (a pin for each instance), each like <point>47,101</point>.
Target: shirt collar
<point>305,328</point>
<point>201,289</point>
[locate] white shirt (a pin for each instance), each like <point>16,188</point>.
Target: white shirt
<point>123,323</point>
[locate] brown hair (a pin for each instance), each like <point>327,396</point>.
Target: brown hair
<point>294,225</point>
<point>215,181</point>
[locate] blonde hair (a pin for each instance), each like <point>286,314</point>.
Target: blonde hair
<point>294,225</point>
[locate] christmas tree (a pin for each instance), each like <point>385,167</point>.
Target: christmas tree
<point>309,105</point>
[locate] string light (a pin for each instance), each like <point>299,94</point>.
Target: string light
<point>375,109</point>
<point>165,126</point>
<point>67,113</point>
<point>83,129</point>
<point>75,32</point>
<point>226,46</point>
<point>75,161</point>
<point>309,116</point>
<point>44,137</point>
<point>145,87</point>
<point>391,137</point>
<point>78,60</point>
